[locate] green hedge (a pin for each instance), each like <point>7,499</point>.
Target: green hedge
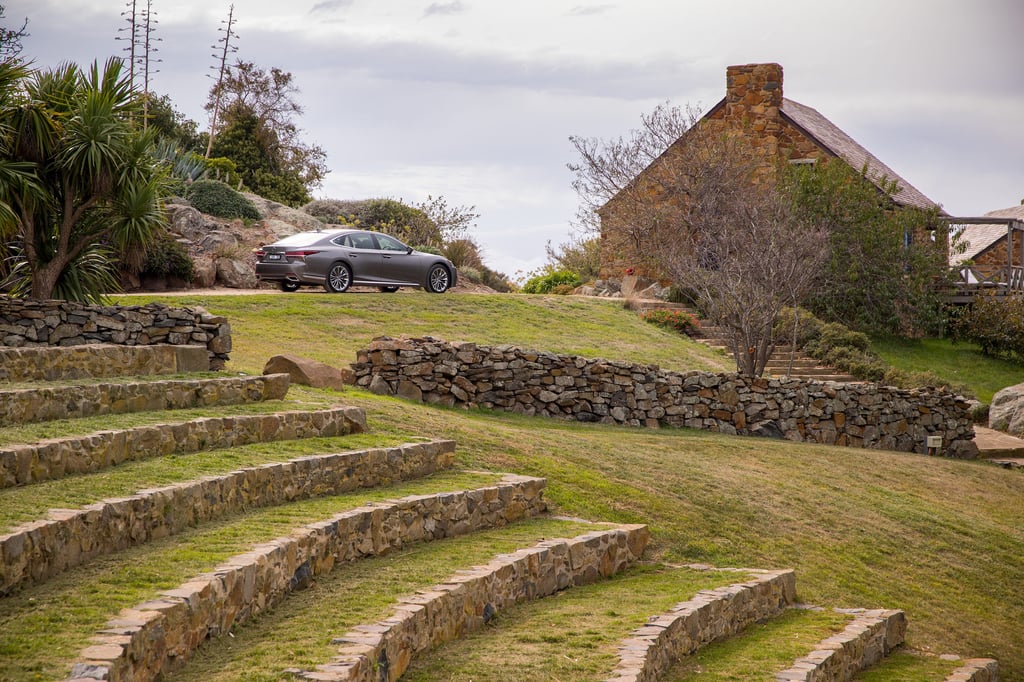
<point>217,199</point>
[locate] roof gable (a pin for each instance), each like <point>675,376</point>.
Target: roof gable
<point>833,139</point>
<point>980,238</point>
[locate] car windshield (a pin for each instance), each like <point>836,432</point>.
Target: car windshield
<point>390,244</point>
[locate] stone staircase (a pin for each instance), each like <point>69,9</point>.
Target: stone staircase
<point>784,362</point>
<point>151,638</point>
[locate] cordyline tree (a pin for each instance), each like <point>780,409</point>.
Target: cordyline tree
<point>78,184</point>
<point>707,214</point>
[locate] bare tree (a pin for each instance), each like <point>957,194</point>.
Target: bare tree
<point>705,211</point>
<point>10,39</point>
<point>223,70</point>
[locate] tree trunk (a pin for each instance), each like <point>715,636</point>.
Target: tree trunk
<point>44,280</point>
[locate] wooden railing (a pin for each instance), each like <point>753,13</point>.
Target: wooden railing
<point>972,280</point>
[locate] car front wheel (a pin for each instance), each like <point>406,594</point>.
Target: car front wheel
<point>339,278</point>
<point>438,279</point>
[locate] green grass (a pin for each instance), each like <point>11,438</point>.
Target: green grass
<point>958,363</point>
<point>910,666</point>
<point>44,627</point>
<point>331,328</point>
<point>762,650</point>
<point>573,635</point>
<point>941,539</point>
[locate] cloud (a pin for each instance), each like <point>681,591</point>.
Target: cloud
<point>444,8</point>
<point>329,6</point>
<point>589,10</point>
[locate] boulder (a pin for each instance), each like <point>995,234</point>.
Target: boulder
<point>271,210</point>
<point>1006,413</point>
<point>219,242</point>
<point>236,274</point>
<point>309,372</point>
<point>204,272</point>
<point>187,221</point>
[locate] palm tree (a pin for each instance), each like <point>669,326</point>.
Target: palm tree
<point>83,184</point>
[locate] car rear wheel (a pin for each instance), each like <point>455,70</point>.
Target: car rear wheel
<point>289,286</point>
<point>438,279</point>
<point>339,278</point>
<point>388,290</point>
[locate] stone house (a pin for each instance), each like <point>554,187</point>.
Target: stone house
<point>779,129</point>
<point>986,244</point>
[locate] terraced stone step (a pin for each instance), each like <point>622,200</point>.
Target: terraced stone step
<point>44,403</point>
<point>709,616</point>
<point>865,641</point>
<point>59,457</point>
<point>472,598</point>
<point>99,360</point>
<point>159,636</point>
<point>36,551</point>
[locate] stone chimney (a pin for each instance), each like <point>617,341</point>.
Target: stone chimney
<point>753,95</point>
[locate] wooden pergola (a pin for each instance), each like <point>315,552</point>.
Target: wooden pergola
<point>1006,280</point>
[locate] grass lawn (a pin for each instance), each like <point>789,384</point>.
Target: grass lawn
<point>959,363</point>
<point>941,539</point>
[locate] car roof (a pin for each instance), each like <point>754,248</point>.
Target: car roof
<point>302,238</point>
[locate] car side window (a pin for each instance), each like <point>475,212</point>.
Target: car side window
<point>390,244</point>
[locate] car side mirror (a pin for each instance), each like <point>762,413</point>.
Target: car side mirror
<point>408,250</point>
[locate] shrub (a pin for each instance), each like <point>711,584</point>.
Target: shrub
<point>563,290</point>
<point>674,320</point>
<point>463,253</point>
<point>495,280</point>
<point>470,274</point>
<point>167,256</point>
<point>994,324</point>
<point>543,284</point>
<point>217,199</point>
<point>335,211</point>
<point>808,326</point>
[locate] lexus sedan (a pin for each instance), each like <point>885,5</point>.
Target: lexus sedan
<point>340,258</point>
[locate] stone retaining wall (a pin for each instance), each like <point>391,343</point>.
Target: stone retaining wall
<point>161,635</point>
<point>976,670</point>
<point>97,360</point>
<point>46,403</point>
<point>711,615</point>
<point>593,390</point>
<point>25,322</point>
<point>52,459</point>
<point>471,598</point>
<point>38,550</point>
<point>864,642</point>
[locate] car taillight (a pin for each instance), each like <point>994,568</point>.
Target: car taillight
<point>301,255</point>
<point>260,253</point>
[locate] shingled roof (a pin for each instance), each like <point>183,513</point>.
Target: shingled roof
<point>829,136</point>
<point>980,238</point>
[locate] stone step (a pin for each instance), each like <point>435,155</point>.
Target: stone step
<point>467,602</point>
<point>36,551</point>
<point>864,642</point>
<point>151,640</point>
<point>651,650</point>
<point>45,403</point>
<point>99,360</point>
<point>59,457</point>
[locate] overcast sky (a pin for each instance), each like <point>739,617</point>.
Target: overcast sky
<point>476,99</point>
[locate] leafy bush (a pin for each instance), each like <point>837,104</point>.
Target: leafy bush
<point>217,199</point>
<point>470,274</point>
<point>808,326</point>
<point>409,224</point>
<point>674,320</point>
<point>463,253</point>
<point>563,290</point>
<point>335,211</point>
<point>495,280</point>
<point>543,284</point>
<point>994,324</point>
<point>167,256</point>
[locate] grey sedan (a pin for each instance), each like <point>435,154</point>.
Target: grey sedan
<point>339,259</point>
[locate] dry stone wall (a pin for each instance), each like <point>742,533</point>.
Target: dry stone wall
<point>45,403</point>
<point>26,322</point>
<point>38,550</point>
<point>470,599</point>
<point>51,459</point>
<point>864,642</point>
<point>976,670</point>
<point>711,615</point>
<point>594,390</point>
<point>159,636</point>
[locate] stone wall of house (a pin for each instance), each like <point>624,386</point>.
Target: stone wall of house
<point>38,550</point>
<point>470,599</point>
<point>159,636</point>
<point>26,322</point>
<point>865,641</point>
<point>46,403</point>
<point>56,458</point>
<point>594,390</point>
<point>650,651</point>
